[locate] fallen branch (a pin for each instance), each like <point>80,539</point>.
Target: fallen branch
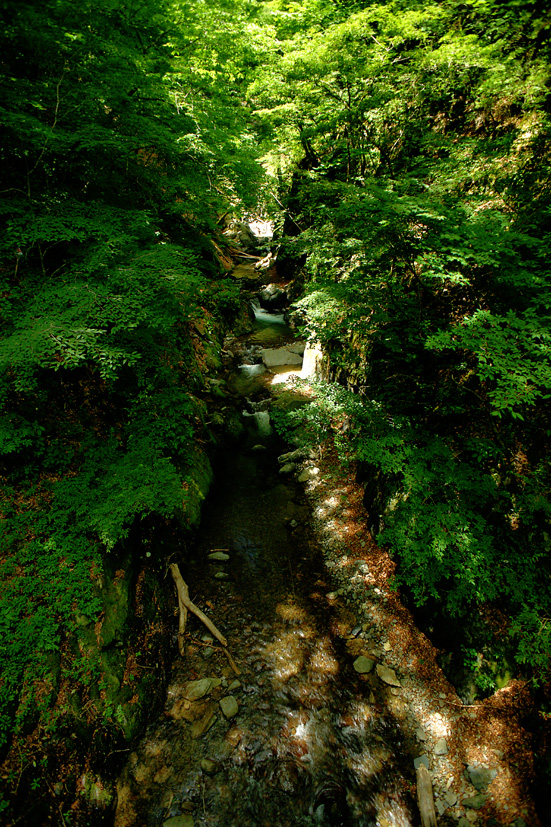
<point>185,604</point>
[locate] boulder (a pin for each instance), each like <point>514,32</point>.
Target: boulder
<point>275,356</point>
<point>272,298</point>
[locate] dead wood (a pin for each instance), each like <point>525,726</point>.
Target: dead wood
<point>425,798</point>
<point>185,604</point>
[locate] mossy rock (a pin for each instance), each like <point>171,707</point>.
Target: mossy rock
<point>196,487</point>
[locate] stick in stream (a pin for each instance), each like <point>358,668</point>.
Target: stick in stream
<point>185,604</point>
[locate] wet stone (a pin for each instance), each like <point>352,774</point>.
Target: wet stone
<point>363,665</point>
<point>229,706</point>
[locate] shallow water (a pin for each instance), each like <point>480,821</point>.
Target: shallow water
<point>309,744</point>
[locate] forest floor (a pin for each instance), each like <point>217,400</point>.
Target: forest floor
<point>480,756</point>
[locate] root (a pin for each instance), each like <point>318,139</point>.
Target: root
<point>186,605</point>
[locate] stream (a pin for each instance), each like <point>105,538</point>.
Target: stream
<point>297,737</point>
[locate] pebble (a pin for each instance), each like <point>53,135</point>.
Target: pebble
<point>221,575</point>
<point>234,685</point>
<point>421,734</point>
<point>421,759</point>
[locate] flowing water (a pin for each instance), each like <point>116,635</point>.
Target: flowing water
<point>306,742</point>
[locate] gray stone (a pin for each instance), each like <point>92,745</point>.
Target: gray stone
<point>387,675</point>
<point>363,665</point>
<point>421,760</point>
<point>274,356</point>
<point>476,802</point>
<point>441,748</point>
<point>441,807</point>
<point>197,689</point>
<point>234,685</point>
<point>229,706</point>
<point>481,777</point>
<point>451,798</point>
<point>219,555</point>
<point>421,734</point>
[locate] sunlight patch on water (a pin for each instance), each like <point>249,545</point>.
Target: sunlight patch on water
<point>283,374</point>
<point>252,370</point>
<point>290,612</point>
<point>322,660</point>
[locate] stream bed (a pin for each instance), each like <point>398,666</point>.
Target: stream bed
<point>290,734</point>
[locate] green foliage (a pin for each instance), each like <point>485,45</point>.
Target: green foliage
<point>419,200</point>
<point>125,138</point>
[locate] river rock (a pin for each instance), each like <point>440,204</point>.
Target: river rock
<point>219,555</point>
<point>198,689</point>
<point>288,468</point>
<point>280,356</point>
<point>421,760</point>
<point>387,675</point>
<point>229,706</point>
<point>180,821</point>
<point>441,748</point>
<point>272,298</point>
<point>476,802</point>
<point>209,767</point>
<point>363,665</point>
<point>480,777</point>
<point>309,473</point>
<point>292,456</point>
<point>204,723</point>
